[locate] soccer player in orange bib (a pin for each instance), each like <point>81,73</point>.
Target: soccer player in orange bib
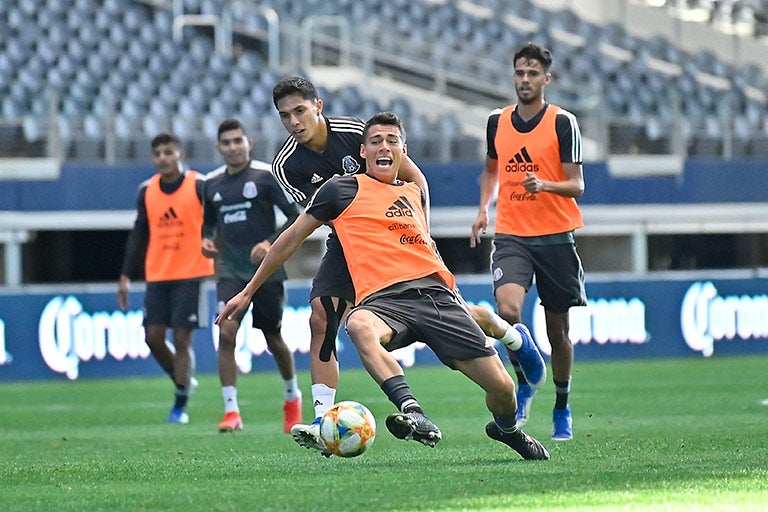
<point>403,291</point>
<point>534,159</point>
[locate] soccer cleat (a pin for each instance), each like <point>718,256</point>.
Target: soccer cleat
<point>562,424</point>
<point>414,425</point>
<point>308,436</point>
<point>530,360</point>
<point>528,447</point>
<point>525,394</point>
<point>231,422</point>
<point>292,414</point>
<point>178,416</point>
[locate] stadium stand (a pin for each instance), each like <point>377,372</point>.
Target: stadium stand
<point>111,67</point>
<point>92,80</point>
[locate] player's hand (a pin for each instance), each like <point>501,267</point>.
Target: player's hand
<point>532,183</point>
<point>259,250</point>
<point>479,228</point>
<point>232,309</point>
<point>123,286</point>
<point>209,248</point>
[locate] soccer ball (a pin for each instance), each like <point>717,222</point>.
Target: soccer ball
<point>348,429</point>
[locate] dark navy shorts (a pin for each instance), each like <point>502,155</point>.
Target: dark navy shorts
<point>432,315</point>
<point>268,302</point>
<point>556,267</point>
<point>332,278</point>
<point>176,304</point>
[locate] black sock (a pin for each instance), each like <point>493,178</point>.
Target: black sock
<point>399,393</point>
<point>506,423</point>
<point>562,389</point>
<point>181,397</point>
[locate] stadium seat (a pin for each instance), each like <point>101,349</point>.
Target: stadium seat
<point>89,51</point>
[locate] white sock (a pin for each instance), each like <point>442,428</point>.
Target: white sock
<point>230,398</point>
<point>292,391</point>
<point>323,398</point>
<point>512,338</point>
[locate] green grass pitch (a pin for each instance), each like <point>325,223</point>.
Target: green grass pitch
<point>662,435</point>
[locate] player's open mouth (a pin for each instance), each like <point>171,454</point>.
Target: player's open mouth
<point>384,162</point>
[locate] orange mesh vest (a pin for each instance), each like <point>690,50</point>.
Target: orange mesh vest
<point>384,237</point>
<point>518,212</point>
<point>175,222</point>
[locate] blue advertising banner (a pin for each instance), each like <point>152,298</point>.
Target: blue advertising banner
<point>77,332</point>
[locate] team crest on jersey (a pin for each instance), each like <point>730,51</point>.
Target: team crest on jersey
<point>350,165</point>
<point>249,190</point>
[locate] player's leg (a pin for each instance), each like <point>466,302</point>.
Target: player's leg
<point>225,358</point>
<point>285,366</point>
<point>325,317</point>
<point>154,336</point>
<point>227,366</point>
<point>267,315</point>
<point>509,300</point>
<point>182,367</point>
<point>492,324</point>
<point>186,315</point>
<point>445,326</point>
<point>513,271</point>
<point>330,299</point>
<point>158,315</point>
<point>560,281</point>
<point>562,366</point>
<point>489,373</point>
<point>370,333</point>
<point>516,338</point>
<point>156,321</point>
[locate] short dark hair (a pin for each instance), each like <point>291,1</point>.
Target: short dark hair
<point>385,118</point>
<point>229,124</point>
<point>294,85</point>
<point>164,138</point>
<point>532,51</point>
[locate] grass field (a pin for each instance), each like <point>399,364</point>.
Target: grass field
<point>653,435</point>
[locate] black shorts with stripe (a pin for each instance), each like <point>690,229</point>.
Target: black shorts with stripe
<point>332,278</point>
<point>556,267</point>
<point>268,302</point>
<point>179,303</point>
<point>424,310</point>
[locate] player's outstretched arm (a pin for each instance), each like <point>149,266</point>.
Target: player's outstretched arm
<point>284,246</point>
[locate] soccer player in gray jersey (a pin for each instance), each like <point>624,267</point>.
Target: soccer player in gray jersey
<point>320,147</point>
<point>238,229</point>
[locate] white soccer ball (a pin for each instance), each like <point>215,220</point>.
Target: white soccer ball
<point>348,429</point>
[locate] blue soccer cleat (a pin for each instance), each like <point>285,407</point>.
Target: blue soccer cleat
<point>562,424</point>
<point>530,360</point>
<point>525,394</point>
<point>178,416</point>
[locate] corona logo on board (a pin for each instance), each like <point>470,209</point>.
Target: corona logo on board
<point>5,357</point>
<point>69,335</point>
<point>706,317</point>
<point>602,321</point>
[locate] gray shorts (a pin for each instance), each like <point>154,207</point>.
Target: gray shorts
<point>424,311</point>
<point>556,267</point>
